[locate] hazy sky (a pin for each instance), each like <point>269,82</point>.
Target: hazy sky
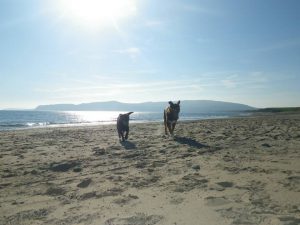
<point>245,51</point>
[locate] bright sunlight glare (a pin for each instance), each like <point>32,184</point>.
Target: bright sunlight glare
<point>97,13</point>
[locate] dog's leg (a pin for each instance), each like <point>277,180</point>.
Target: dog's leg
<point>165,123</point>
<point>127,133</point>
<point>122,135</point>
<point>119,133</point>
<point>173,127</point>
<point>170,127</point>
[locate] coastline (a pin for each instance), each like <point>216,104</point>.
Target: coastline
<point>241,170</point>
<point>18,120</point>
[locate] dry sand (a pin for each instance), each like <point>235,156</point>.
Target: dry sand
<point>226,171</point>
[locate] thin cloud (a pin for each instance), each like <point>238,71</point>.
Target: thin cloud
<point>250,80</point>
<point>229,83</point>
<point>279,46</point>
<point>154,23</point>
<point>114,89</point>
<point>201,10</point>
<point>133,52</point>
<point>143,72</point>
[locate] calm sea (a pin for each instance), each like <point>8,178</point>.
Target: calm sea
<point>18,119</point>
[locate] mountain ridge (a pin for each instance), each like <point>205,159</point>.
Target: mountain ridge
<point>188,106</point>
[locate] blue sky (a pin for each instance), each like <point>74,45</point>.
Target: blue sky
<point>148,50</point>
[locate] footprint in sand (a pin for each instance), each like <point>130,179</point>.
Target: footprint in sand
<point>54,191</point>
<point>289,220</point>
<point>64,166</point>
<point>176,200</point>
<point>190,182</point>
<point>225,184</point>
<point>125,200</point>
<point>98,151</point>
<point>88,195</point>
<point>216,201</point>
<point>292,183</point>
<point>85,183</point>
<point>138,219</point>
<point>24,217</point>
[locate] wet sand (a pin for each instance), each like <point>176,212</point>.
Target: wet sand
<point>225,171</point>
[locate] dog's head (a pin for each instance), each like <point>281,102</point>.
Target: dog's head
<point>174,108</point>
<point>124,118</point>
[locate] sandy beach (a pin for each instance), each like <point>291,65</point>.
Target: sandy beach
<point>225,171</point>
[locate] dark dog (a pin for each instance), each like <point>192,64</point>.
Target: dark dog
<point>123,126</point>
<point>171,114</point>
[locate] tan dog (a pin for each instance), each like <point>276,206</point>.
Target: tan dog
<point>171,114</point>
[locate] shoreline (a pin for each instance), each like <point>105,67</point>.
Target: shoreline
<point>45,121</point>
<point>97,124</point>
<point>217,171</point>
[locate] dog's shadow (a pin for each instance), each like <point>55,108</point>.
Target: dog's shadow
<point>128,145</point>
<point>189,141</point>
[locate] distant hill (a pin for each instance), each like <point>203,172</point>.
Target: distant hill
<point>280,110</point>
<point>187,106</point>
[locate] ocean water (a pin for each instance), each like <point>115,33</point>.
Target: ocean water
<point>18,119</point>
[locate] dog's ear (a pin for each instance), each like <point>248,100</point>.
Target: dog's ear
<point>171,103</point>
<point>178,103</point>
<point>129,113</point>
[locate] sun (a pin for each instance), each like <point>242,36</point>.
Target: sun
<point>97,13</point>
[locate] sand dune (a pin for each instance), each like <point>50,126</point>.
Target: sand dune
<point>227,171</point>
